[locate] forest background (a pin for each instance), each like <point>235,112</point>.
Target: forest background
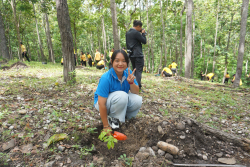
<point>215,31</point>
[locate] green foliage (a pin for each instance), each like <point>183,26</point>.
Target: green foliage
<point>91,130</point>
<point>109,139</point>
<point>126,160</point>
<point>85,151</point>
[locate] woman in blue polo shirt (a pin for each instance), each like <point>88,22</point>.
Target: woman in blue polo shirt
<point>112,96</point>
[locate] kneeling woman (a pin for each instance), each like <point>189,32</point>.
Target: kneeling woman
<point>112,96</point>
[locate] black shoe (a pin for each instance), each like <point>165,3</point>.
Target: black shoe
<point>113,122</point>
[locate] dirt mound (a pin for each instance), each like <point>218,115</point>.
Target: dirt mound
<point>17,65</point>
<point>195,144</point>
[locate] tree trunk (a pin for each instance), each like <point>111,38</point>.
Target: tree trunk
<point>28,49</point>
<point>201,49</point>
<point>148,26</point>
<point>152,52</point>
<point>13,5</point>
<point>228,41</point>
<point>46,38</point>
<point>38,35</point>
<point>215,38</point>
<point>181,55</point>
<point>49,38</point>
<point>163,35</point>
<point>10,51</point>
<point>243,26</point>
<point>114,22</point>
<point>104,40</point>
<point>189,39</point>
<point>192,68</point>
<point>3,41</point>
<point>37,51</point>
<point>67,40</point>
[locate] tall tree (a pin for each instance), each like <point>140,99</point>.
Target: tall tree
<point>243,26</point>
<point>189,39</point>
<point>192,68</point>
<point>3,41</point>
<point>13,5</point>
<point>163,35</point>
<point>215,38</point>
<point>181,55</point>
<point>67,40</point>
<point>38,35</point>
<point>114,23</point>
<point>52,56</point>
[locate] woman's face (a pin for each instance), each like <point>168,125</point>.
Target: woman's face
<point>119,64</point>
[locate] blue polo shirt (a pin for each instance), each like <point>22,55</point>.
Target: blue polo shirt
<point>109,83</point>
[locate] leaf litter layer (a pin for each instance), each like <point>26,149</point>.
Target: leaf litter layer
<point>49,107</point>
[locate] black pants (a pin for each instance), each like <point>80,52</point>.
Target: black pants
<point>90,62</point>
<point>61,63</point>
<point>100,67</point>
<point>75,58</point>
<point>83,63</point>
<point>25,54</point>
<point>110,65</point>
<point>226,80</point>
<point>138,63</point>
<point>167,74</point>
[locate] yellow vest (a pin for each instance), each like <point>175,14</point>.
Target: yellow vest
<point>83,57</point>
<point>167,70</point>
<point>173,65</point>
<point>97,56</point>
<point>100,63</point>
<point>23,48</point>
<point>210,75</point>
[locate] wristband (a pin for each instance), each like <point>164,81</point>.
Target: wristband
<point>131,83</point>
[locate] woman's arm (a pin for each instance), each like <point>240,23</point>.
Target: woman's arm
<point>103,112</point>
<point>134,88</point>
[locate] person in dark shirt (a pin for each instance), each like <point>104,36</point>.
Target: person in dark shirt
<point>135,37</point>
<point>202,76</point>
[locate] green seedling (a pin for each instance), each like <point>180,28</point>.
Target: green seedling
<point>109,139</point>
<point>91,130</point>
<point>126,160</point>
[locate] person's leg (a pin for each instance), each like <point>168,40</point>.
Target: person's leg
<point>132,59</point>
<point>116,104</point>
<point>84,63</point>
<point>139,63</point>
<point>134,105</point>
<point>90,62</point>
<point>25,54</point>
<point>165,73</point>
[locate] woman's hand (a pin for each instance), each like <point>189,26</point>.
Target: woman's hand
<point>108,130</point>
<point>131,77</point>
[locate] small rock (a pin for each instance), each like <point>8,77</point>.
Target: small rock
<point>189,122</point>
<point>142,155</point>
<point>142,149</point>
<point>180,126</point>
<point>160,130</point>
<point>155,148</point>
<point>22,111</point>
<point>49,164</point>
<point>215,119</point>
<point>200,156</point>
<point>61,148</point>
<point>11,127</point>
<point>228,161</point>
<point>45,145</point>
<point>100,160</point>
<point>168,140</point>
<point>26,148</point>
<point>8,145</point>
<point>182,137</point>
<point>219,154</point>
<point>169,157</point>
<point>161,153</point>
<point>240,132</point>
<point>58,130</point>
<point>68,161</point>
<point>204,157</point>
<point>150,151</point>
<point>156,119</point>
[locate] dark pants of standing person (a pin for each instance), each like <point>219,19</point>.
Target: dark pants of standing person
<point>83,63</point>
<point>25,54</point>
<point>167,74</point>
<point>90,62</point>
<point>138,63</point>
<point>75,58</point>
<point>110,65</point>
<point>226,80</point>
<point>100,67</point>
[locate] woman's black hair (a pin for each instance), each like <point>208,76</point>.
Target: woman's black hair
<point>122,52</point>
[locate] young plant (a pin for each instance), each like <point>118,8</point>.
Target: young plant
<point>126,160</point>
<point>109,139</point>
<point>85,151</point>
<point>91,130</point>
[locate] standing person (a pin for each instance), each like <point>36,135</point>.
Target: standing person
<point>24,52</point>
<point>75,56</point>
<point>97,56</point>
<point>135,37</point>
<point>173,68</point>
<point>227,78</point>
<point>90,59</point>
<point>110,55</point>
<point>61,61</point>
<point>202,76</point>
<point>116,97</point>
<point>234,79</point>
<point>83,58</point>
